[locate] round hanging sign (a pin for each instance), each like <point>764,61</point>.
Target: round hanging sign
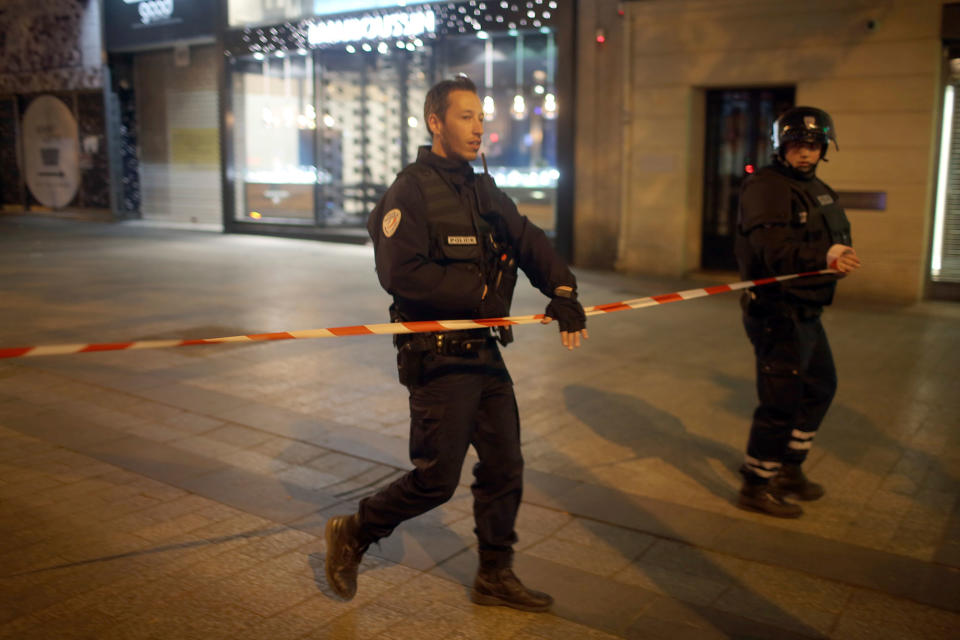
<point>51,152</point>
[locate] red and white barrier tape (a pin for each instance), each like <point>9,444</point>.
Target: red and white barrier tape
<point>390,328</point>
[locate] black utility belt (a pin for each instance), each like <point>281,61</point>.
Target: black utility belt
<point>762,307</point>
<point>448,343</point>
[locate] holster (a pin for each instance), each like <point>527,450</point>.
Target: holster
<point>410,363</point>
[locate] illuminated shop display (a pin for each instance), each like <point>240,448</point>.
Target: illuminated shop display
<point>328,109</point>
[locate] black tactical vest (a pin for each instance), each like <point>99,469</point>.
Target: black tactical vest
<point>456,233</point>
<point>817,219</point>
<point>460,233</point>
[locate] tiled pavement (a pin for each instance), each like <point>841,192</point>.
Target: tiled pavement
<point>181,493</point>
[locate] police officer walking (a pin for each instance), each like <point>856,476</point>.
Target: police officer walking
<point>790,222</point>
<point>448,243</point>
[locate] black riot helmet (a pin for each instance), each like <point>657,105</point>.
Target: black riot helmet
<point>804,124</point>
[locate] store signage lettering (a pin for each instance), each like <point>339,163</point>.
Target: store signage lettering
<point>153,10</point>
<point>393,25</point>
<point>131,25</point>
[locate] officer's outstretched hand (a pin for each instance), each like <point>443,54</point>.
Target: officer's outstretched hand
<point>569,314</point>
<point>842,258</point>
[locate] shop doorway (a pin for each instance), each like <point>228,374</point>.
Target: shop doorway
<point>739,124</point>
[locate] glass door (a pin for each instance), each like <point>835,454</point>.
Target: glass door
<point>739,126</point>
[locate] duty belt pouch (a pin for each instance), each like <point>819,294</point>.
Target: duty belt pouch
<point>410,363</point>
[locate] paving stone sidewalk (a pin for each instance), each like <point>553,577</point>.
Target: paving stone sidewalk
<point>182,493</point>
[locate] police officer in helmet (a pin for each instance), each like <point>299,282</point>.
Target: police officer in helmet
<point>448,243</point>
<point>790,222</point>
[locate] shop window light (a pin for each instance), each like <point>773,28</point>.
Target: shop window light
<point>550,106</point>
<point>489,107</point>
<point>519,108</point>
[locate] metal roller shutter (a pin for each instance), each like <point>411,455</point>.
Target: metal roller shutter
<point>177,115</point>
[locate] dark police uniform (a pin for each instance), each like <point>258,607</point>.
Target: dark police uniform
<point>440,234</point>
<point>787,222</point>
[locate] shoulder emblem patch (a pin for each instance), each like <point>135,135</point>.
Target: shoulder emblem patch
<point>390,222</point>
<point>825,198</point>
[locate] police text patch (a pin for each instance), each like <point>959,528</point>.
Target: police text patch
<point>825,198</point>
<point>390,222</point>
<point>461,240</point>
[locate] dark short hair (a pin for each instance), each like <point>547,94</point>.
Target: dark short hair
<point>438,98</point>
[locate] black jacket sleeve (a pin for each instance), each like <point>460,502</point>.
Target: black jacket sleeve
<point>535,254</point>
<point>768,217</point>
<point>404,265</point>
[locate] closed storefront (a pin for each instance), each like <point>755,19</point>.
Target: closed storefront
<point>176,114</point>
<point>164,66</point>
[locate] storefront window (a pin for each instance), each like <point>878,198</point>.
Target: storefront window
<point>370,126</point>
<point>273,141</point>
<point>321,135</point>
<point>515,76</point>
<point>326,113</point>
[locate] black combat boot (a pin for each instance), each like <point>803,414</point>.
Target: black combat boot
<point>344,552</point>
<point>790,480</point>
<point>766,499</point>
<point>496,584</point>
